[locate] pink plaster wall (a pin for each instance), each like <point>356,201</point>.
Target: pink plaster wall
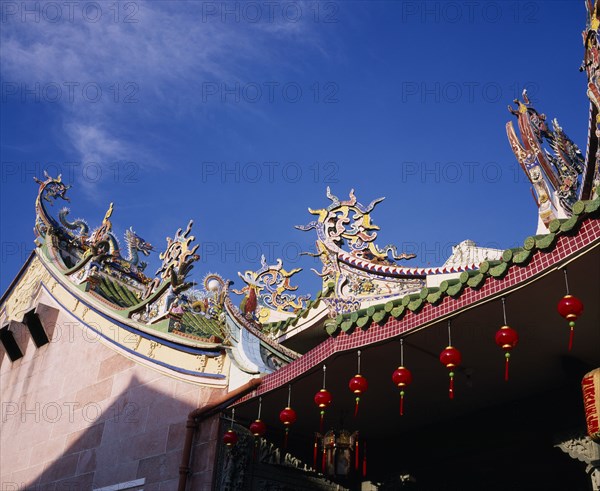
<point>78,415</point>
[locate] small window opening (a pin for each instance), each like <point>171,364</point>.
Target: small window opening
<point>10,344</point>
<point>34,324</point>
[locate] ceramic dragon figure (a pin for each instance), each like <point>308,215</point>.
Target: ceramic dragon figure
<point>269,289</point>
<point>104,247</point>
<point>177,263</point>
<point>101,244</point>
<point>348,223</point>
<point>50,190</point>
<point>351,259</point>
<point>555,175</point>
<point>78,227</point>
<point>591,66</point>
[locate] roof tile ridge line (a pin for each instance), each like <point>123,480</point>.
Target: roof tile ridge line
<point>234,311</point>
<point>117,309</point>
<point>191,336</point>
<point>322,352</point>
<point>333,340</point>
<point>133,352</point>
<point>298,318</point>
<point>99,297</point>
<point>409,270</point>
<point>435,320</point>
<point>124,322</point>
<point>579,219</point>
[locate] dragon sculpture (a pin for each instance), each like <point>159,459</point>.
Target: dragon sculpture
<point>351,258</point>
<point>50,190</point>
<point>104,247</point>
<point>554,175</point>
<point>562,176</point>
<point>268,289</point>
<point>177,262</point>
<point>591,65</point>
<point>78,226</point>
<point>349,223</point>
<point>101,244</point>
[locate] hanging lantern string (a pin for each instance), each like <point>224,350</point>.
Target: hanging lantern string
<point>358,361</point>
<point>566,280</point>
<point>401,352</point>
<point>324,373</point>
<point>507,354</point>
<point>259,406</point>
<point>232,417</point>
<point>289,395</point>
<point>449,332</point>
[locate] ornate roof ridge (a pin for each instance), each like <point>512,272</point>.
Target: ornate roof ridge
<point>587,218</point>
<point>255,330</point>
<point>474,279</point>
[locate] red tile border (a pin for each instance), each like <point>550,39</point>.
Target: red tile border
<point>589,232</point>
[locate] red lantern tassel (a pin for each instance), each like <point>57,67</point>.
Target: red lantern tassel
<point>285,438</point>
<point>451,388</point>
<point>315,452</point>
<point>321,422</point>
<point>356,407</point>
<point>356,459</point>
<point>324,460</point>
<point>507,357</point>
<point>364,466</point>
<point>401,403</point>
<point>571,336</point>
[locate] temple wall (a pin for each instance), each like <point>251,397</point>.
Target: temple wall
<point>77,414</point>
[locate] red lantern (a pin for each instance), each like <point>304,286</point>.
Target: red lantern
<point>323,400</point>
<point>570,308</point>
<point>507,338</point>
<point>258,428</point>
<point>358,385</point>
<point>288,417</point>
<point>230,438</point>
<point>402,378</point>
<point>450,358</point>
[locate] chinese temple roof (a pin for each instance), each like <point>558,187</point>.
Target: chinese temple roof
<point>364,285</point>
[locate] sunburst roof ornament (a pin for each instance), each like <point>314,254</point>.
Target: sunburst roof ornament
<point>348,224</point>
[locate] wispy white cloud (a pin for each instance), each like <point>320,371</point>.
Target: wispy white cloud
<point>144,69</point>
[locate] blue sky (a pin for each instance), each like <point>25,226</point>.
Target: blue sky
<point>238,115</point>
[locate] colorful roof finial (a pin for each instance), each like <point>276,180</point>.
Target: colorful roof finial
<point>270,287</point>
<point>555,174</point>
<point>351,259</point>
